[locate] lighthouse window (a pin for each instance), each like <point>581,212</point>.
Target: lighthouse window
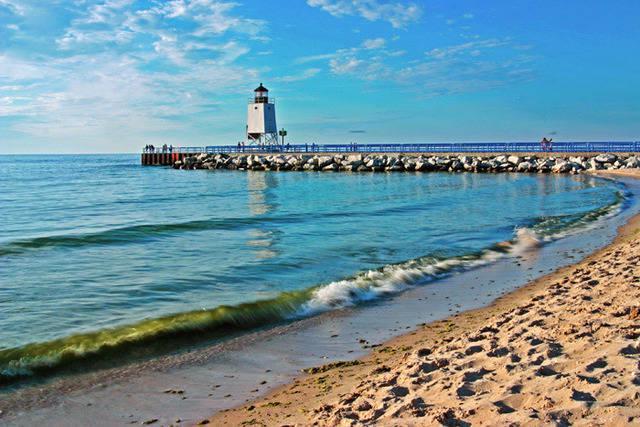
<point>255,108</point>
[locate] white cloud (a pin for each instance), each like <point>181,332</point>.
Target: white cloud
<point>472,48</point>
<point>123,69</point>
<point>305,75</point>
<point>108,95</point>
<point>344,65</point>
<point>398,14</point>
<point>167,46</point>
<point>315,58</point>
<point>105,12</point>
<point>471,66</point>
<point>16,7</point>
<point>120,22</point>
<point>374,43</point>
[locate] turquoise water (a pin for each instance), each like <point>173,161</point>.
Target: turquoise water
<point>98,254</point>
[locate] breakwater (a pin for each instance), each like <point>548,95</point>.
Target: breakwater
<point>361,162</point>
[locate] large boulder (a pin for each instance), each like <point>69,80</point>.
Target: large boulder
<point>525,167</point>
<point>633,162</point>
<point>456,166</point>
<point>561,167</point>
<point>595,165</point>
<point>514,160</point>
<point>606,158</point>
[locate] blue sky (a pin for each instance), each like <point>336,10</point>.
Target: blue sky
<point>113,75</point>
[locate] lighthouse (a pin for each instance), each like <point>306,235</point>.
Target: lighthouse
<point>261,118</point>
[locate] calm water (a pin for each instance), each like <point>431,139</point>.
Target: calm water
<point>97,251</point>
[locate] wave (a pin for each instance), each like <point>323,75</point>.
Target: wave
<point>554,227</point>
<point>167,332</point>
<point>114,236</point>
<point>48,356</point>
<point>136,233</point>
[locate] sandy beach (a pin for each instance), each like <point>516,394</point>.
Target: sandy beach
<point>562,350</point>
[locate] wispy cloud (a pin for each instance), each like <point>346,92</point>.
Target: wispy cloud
<point>304,75</point>
<point>121,67</point>
<point>109,94</point>
<point>398,14</point>
<point>346,65</point>
<point>14,6</point>
<point>477,65</point>
<point>471,48</point>
<point>315,58</point>
<point>376,43</point>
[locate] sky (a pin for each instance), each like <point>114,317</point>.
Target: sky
<point>101,76</point>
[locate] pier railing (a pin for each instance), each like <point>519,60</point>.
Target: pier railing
<point>474,147</point>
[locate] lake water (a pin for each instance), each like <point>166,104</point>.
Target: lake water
<point>101,257</point>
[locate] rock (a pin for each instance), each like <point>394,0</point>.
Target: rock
<point>514,160</point>
<point>561,167</point>
<point>423,166</point>
<point>456,166</point>
<point>606,158</point>
<point>525,167</point>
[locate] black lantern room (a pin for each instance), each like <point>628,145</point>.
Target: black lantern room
<point>261,94</point>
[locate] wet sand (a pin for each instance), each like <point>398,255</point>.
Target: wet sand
<point>564,349</point>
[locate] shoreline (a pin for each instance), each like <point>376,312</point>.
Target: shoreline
<point>411,379</point>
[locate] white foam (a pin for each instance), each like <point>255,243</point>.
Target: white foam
<point>398,277</point>
<point>526,241</point>
<point>388,280</point>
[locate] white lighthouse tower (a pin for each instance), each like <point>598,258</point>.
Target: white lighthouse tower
<point>261,118</point>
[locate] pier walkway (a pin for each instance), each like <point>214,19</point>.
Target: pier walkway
<point>168,156</point>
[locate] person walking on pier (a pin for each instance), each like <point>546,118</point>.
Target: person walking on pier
<point>546,144</point>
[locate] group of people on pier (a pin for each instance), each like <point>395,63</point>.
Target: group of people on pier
<point>150,148</point>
